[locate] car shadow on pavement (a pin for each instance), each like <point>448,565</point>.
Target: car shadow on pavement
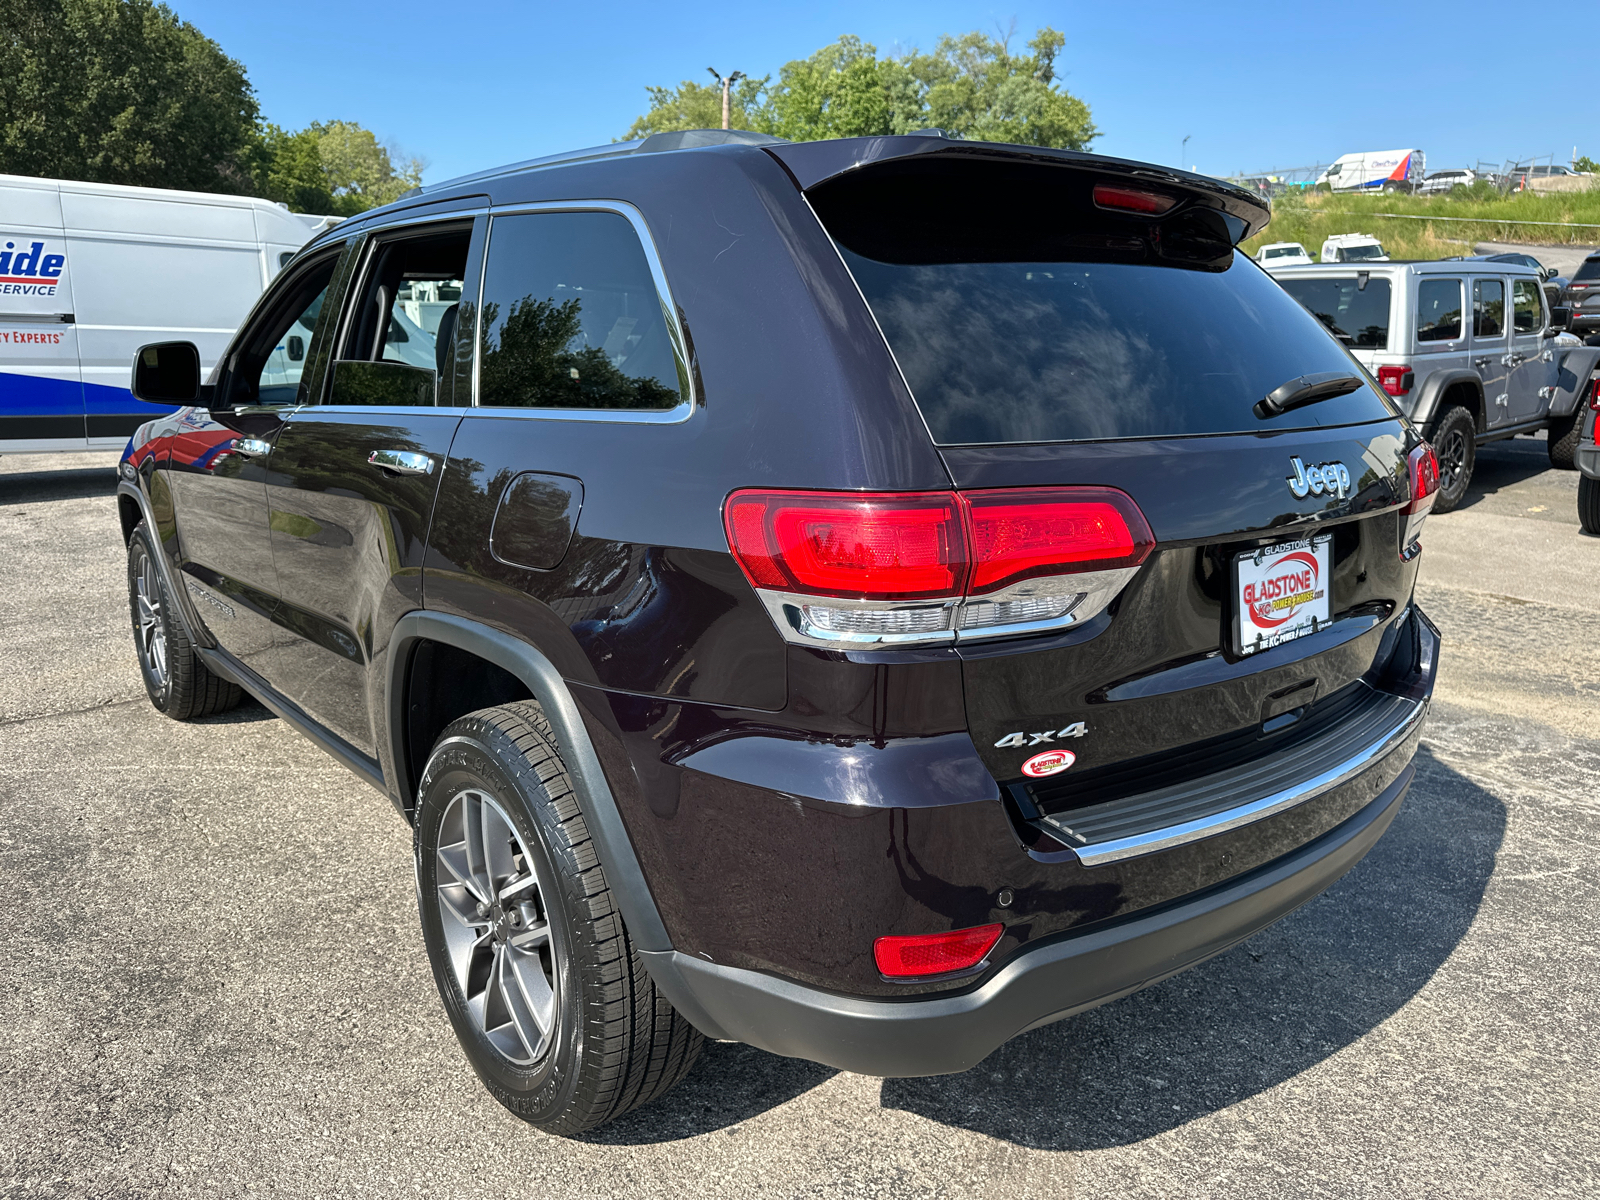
<point>732,1082</point>
<point>1504,464</point>
<point>35,487</point>
<point>1258,1015</point>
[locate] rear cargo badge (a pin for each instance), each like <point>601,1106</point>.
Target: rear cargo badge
<point>1076,730</point>
<point>1049,763</point>
<point>1329,477</point>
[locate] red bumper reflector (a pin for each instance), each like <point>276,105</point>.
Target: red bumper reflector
<point>934,953</point>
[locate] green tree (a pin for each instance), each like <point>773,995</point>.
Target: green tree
<point>359,172</point>
<point>121,91</point>
<point>537,358</point>
<point>1587,165</point>
<point>692,105</point>
<point>970,86</point>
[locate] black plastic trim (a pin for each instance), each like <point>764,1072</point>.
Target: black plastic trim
<point>1057,979</point>
<point>623,874</point>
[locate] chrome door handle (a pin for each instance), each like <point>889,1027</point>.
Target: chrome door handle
<point>251,447</point>
<point>1510,360</point>
<point>401,462</point>
<point>1481,363</point>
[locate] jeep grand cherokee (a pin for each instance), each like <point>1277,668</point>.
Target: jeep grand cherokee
<point>865,598</point>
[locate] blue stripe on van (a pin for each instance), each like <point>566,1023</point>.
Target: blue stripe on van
<point>40,396</point>
<point>36,396</point>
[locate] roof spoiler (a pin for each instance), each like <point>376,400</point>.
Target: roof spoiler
<point>814,163</point>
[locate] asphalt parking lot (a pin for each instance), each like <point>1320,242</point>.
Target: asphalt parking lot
<point>212,980</point>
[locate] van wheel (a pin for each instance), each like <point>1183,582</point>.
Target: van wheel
<point>538,974</point>
<point>1454,439</point>
<point>177,681</point>
<point>1563,444</point>
<point>1589,504</point>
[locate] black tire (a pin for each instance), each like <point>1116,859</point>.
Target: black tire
<point>177,682</point>
<point>612,1041</point>
<point>1454,436</point>
<point>1563,444</point>
<point>1589,504</point>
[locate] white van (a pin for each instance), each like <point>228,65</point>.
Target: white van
<point>1352,247</point>
<point>1376,171</point>
<point>90,272</point>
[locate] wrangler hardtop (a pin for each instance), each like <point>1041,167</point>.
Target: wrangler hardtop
<point>834,596</point>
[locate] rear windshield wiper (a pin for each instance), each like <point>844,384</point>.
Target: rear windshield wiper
<point>1306,389</point>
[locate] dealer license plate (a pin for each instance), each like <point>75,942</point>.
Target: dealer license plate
<point>1283,593</point>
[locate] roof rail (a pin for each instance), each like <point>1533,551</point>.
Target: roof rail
<point>690,139</point>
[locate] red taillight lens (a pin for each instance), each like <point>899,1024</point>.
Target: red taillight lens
<point>862,545</point>
<point>1022,534</point>
<point>1151,204</point>
<point>934,953</point>
<point>1422,465</point>
<point>1396,381</point>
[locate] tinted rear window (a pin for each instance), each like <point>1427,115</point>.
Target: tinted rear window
<point>1358,316</point>
<point>1018,312</point>
<point>1590,269</point>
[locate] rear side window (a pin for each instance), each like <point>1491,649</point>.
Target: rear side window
<point>1587,270</point>
<point>1488,308</point>
<point>572,317</point>
<point>1018,312</point>
<point>1354,310</point>
<point>1438,310</point>
<point>1527,314</point>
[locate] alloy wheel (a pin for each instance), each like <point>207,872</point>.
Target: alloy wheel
<point>150,629</point>
<point>1452,452</point>
<point>496,928</point>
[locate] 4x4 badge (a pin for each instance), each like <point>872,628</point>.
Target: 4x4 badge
<point>1075,730</point>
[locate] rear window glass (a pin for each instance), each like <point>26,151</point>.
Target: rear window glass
<point>1590,269</point>
<point>1355,311</point>
<point>1438,310</point>
<point>1013,321</point>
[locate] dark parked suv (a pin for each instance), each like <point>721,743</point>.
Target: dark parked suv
<point>865,598</point>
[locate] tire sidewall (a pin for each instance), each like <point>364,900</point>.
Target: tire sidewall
<point>472,754</point>
<point>1457,417</point>
<point>139,549</point>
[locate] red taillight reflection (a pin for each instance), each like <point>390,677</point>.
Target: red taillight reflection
<point>1151,204</point>
<point>934,953</point>
<point>1020,534</point>
<point>920,545</point>
<point>1422,466</point>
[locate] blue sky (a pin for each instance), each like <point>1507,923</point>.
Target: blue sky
<point>1254,85</point>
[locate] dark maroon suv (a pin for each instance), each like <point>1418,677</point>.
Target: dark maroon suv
<point>865,598</point>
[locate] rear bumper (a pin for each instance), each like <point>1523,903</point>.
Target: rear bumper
<point>1069,974</point>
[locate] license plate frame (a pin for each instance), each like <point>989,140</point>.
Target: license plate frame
<point>1262,579</point>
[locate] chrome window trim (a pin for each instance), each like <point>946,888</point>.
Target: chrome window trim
<point>669,309</point>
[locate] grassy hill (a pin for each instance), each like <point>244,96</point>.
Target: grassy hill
<point>1477,215</point>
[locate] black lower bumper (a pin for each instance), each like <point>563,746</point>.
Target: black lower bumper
<point>946,1034</point>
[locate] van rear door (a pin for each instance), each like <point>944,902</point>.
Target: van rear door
<point>41,387</point>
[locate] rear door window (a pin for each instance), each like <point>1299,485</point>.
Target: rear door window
<point>1488,308</point>
<point>1438,310</point>
<point>572,317</point>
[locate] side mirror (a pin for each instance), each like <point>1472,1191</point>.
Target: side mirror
<point>1560,317</point>
<point>167,373</point>
<point>1546,273</point>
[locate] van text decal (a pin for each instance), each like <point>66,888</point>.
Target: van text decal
<point>27,337</point>
<point>28,270</point>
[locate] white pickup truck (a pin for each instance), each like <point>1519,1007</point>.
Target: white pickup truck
<point>1469,349</point>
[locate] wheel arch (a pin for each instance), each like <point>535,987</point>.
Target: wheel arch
<point>509,667</point>
<point>1465,385</point>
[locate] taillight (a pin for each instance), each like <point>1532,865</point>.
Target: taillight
<point>1150,204</point>
<point>1422,466</point>
<point>922,567</point>
<point>934,953</point>
<point>1397,381</point>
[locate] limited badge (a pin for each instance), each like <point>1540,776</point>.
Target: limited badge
<point>1049,763</point>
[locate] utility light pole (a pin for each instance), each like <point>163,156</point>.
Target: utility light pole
<point>726,84</point>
